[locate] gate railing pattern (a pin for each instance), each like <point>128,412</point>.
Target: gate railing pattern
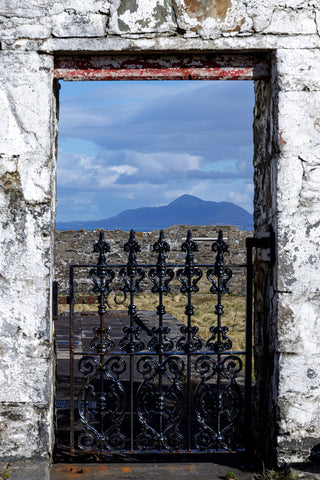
<point>157,393</point>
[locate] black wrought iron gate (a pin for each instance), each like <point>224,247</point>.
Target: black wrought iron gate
<point>151,391</point>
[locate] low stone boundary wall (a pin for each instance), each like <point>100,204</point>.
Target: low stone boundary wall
<point>76,247</point>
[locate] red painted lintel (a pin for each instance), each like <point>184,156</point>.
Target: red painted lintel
<point>188,67</point>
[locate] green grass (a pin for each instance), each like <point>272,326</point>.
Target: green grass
<point>204,307</point>
<point>204,316</point>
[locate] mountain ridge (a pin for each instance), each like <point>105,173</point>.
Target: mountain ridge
<point>184,210</point>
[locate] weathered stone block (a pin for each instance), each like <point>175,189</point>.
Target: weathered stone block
<point>12,140</point>
<point>290,173</point>
<point>260,15</point>
<point>14,64</point>
<point>298,69</point>
<point>16,27</point>
<point>32,31</point>
<point>31,376</point>
<point>298,194</point>
<point>318,18</point>
<point>32,113</point>
<point>31,9</point>
<point>210,19</point>
<point>141,16</point>
<point>26,127</point>
<point>291,21</point>
<point>28,176</point>
<point>36,175</point>
<point>92,6</point>
<point>26,316</point>
<point>73,24</point>
<point>24,430</point>
<point>298,327</point>
<point>298,273</point>
<point>299,396</point>
<point>299,123</point>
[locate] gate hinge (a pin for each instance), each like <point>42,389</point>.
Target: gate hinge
<point>264,242</point>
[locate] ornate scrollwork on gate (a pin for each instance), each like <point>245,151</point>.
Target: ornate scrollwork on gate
<point>102,276</point>
<point>161,275</point>
<point>102,403</point>
<point>131,275</point>
<point>189,277</point>
<point>219,341</point>
<point>222,273</point>
<point>160,403</point>
<point>218,402</point>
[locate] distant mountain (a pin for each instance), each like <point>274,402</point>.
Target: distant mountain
<point>185,210</point>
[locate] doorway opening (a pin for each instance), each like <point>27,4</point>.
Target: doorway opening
<point>127,172</point>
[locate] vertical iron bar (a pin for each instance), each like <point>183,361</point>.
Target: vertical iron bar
<point>131,361</point>
<point>71,366</point>
<point>131,403</point>
<point>160,310</point>
<point>218,311</point>
<point>189,370</point>
<point>222,343</point>
<point>100,409</point>
<point>131,342</point>
<point>189,342</point>
<point>248,367</point>
<point>161,286</point>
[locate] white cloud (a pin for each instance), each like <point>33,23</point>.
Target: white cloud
<point>242,196</point>
<point>124,169</point>
<point>80,171</point>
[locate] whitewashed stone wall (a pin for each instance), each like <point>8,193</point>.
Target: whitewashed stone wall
<point>298,216</point>
<point>27,175</point>
<point>287,160</point>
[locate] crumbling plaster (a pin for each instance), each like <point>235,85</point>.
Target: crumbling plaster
<point>287,166</point>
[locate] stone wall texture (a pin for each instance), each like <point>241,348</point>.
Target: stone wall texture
<point>76,247</point>
<point>33,34</point>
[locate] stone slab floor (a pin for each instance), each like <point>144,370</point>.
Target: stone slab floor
<point>40,470</point>
<point>165,471</point>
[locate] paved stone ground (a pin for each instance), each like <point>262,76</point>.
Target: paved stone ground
<point>41,470</point>
<point>168,471</point>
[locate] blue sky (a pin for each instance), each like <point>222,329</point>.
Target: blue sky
<point>141,143</point>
